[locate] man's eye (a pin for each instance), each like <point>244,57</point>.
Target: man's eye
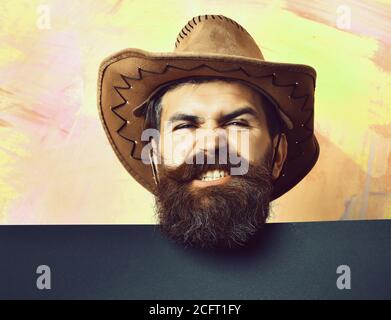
<point>237,123</point>
<point>184,126</point>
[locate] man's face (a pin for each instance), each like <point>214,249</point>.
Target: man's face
<point>195,118</point>
<point>204,203</point>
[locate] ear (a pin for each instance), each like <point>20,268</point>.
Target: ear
<point>280,156</point>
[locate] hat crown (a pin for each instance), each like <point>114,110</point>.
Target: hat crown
<point>216,34</point>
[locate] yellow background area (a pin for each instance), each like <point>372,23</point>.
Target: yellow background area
<point>56,165</point>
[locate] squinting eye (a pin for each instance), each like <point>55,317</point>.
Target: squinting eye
<point>184,126</point>
<point>237,123</point>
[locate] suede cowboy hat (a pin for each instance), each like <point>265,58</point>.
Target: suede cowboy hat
<point>207,46</point>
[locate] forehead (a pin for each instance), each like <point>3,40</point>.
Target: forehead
<point>210,99</point>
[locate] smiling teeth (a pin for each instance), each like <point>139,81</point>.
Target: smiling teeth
<point>213,175</point>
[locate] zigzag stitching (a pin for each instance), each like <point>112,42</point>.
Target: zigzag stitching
<point>304,125</point>
<point>299,146</point>
<point>168,66</point>
<point>209,67</point>
<point>116,88</point>
<point>113,109</point>
<point>134,143</point>
<point>292,94</point>
<point>306,96</point>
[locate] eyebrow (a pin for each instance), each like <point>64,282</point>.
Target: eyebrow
<point>185,117</point>
<point>237,113</point>
<point>223,119</point>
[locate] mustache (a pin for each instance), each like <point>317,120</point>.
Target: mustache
<point>201,163</point>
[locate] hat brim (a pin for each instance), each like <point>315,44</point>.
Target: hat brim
<point>130,77</point>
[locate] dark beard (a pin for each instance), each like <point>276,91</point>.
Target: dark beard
<point>219,216</point>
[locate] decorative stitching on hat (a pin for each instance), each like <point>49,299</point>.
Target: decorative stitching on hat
<point>304,125</point>
<point>126,122</point>
<point>292,94</point>
<point>136,53</point>
<point>205,17</point>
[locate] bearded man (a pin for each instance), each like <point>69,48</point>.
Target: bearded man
<point>234,131</point>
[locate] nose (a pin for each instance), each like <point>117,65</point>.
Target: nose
<point>211,139</point>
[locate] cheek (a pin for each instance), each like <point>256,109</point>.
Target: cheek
<point>249,144</point>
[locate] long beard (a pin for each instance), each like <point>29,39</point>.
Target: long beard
<point>219,216</point>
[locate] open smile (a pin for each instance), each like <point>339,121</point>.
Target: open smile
<point>211,177</point>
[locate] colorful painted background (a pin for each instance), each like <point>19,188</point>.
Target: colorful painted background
<point>56,165</point>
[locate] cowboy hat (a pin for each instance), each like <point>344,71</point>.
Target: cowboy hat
<point>207,46</point>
